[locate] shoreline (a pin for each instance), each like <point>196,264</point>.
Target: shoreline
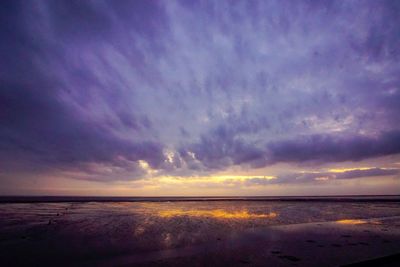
<point>61,199</point>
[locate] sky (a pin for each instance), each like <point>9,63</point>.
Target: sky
<point>191,98</point>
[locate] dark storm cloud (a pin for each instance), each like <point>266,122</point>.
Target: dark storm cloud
<point>100,89</point>
<point>221,149</point>
<point>334,148</point>
<point>366,173</point>
<point>40,131</point>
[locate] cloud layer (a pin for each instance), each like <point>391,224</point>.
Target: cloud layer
<point>312,177</point>
<point>123,90</point>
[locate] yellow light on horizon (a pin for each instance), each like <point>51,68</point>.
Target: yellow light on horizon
<point>216,178</point>
<point>350,169</point>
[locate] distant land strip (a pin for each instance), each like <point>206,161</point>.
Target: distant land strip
<point>44,199</point>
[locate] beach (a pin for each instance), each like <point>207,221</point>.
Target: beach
<point>274,232</point>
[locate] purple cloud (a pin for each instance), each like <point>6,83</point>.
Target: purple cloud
<point>312,177</point>
<point>101,89</point>
<point>334,148</point>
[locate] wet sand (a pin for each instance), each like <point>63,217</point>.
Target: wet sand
<point>218,233</point>
<point>308,244</point>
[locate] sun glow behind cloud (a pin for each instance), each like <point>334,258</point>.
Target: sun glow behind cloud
<point>140,98</point>
<point>202,181</point>
<point>340,170</point>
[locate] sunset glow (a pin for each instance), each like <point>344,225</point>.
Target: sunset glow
<point>140,98</point>
<point>200,133</point>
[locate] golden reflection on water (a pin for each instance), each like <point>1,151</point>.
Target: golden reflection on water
<point>219,213</point>
<point>356,221</point>
<point>351,221</point>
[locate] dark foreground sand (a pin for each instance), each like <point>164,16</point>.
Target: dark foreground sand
<point>242,233</point>
<point>309,244</point>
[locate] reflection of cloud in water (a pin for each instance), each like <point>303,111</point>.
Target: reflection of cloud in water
<point>139,230</point>
<point>220,214</point>
<point>167,239</point>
